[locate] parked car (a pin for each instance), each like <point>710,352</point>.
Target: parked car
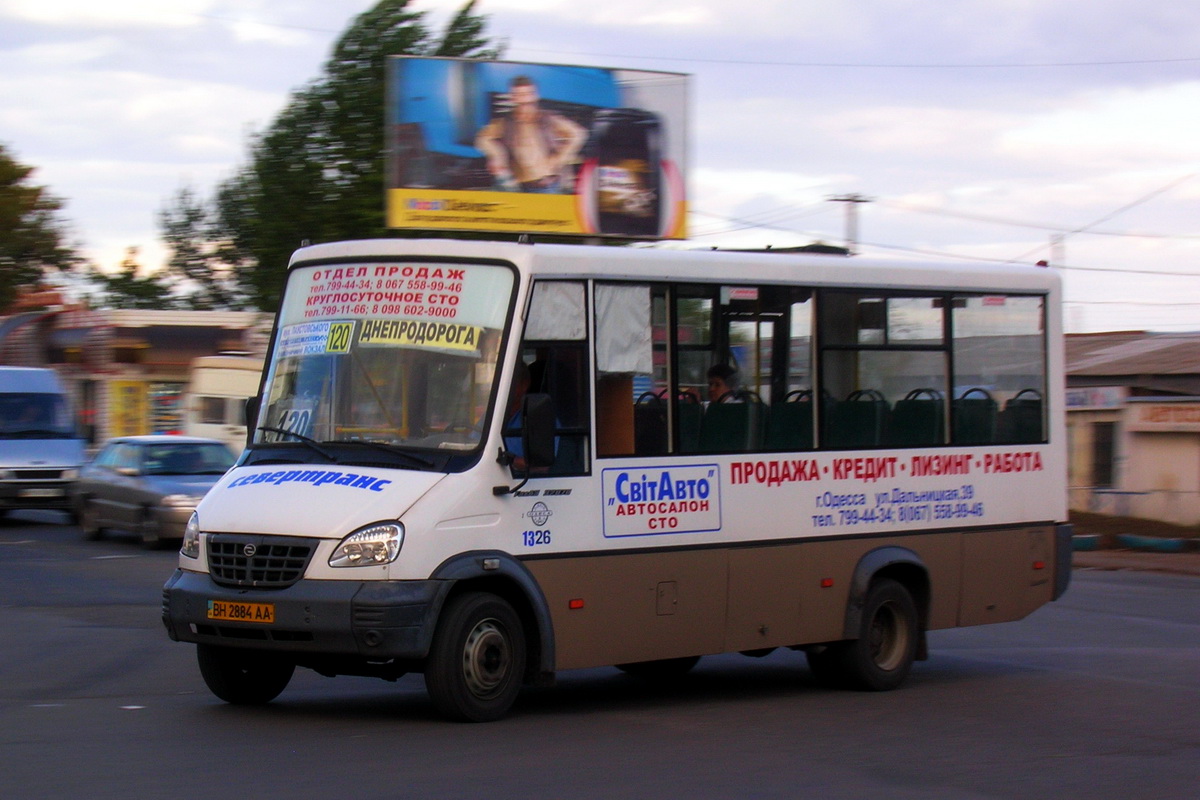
<point>148,485</point>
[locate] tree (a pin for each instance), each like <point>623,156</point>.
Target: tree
<point>32,235</point>
<point>317,172</point>
<point>126,289</point>
<point>197,257</point>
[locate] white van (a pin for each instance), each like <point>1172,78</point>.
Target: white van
<point>488,462</point>
<point>40,447</point>
<point>218,388</point>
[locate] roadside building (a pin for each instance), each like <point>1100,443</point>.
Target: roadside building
<point>1133,423</point>
<point>127,370</point>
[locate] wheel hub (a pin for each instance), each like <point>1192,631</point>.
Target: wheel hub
<point>887,638</point>
<point>486,658</point>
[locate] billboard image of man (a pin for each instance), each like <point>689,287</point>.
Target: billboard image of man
<point>530,149</point>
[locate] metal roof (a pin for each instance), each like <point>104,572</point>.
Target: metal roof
<point>1128,353</point>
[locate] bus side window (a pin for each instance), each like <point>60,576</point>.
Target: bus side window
<point>555,354</point>
<point>886,355</point>
<point>999,369</point>
<point>627,418</point>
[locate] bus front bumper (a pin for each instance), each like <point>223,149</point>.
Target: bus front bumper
<point>375,620</point>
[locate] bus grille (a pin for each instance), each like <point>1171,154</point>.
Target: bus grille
<point>259,562</point>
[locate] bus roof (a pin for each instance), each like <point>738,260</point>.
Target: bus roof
<point>717,266</point>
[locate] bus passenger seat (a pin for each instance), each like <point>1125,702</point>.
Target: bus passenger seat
<point>858,421</point>
<point>650,425</point>
<point>789,424</point>
<point>1021,420</point>
<point>918,420</point>
<point>974,415</point>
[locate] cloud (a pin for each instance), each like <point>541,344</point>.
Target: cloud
<point>123,14</point>
<point>1114,127</point>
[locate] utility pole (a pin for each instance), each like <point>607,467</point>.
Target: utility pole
<point>852,202</point>
<point>1058,249</point>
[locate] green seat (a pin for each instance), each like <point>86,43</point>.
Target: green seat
<point>974,417</point>
<point>790,424</point>
<point>690,413</point>
<point>857,421</point>
<point>1021,421</point>
<point>732,427</point>
<point>650,425</point>
<point>918,420</point>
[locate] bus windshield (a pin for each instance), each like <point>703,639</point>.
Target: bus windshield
<point>395,354</point>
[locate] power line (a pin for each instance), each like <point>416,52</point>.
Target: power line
<point>945,212</point>
<point>750,224</point>
<point>773,63</point>
<point>1128,303</point>
<point>1144,198</point>
<point>873,65</point>
<point>1061,267</point>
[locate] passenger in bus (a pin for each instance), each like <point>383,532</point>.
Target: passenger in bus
<point>722,381</point>
<point>530,149</point>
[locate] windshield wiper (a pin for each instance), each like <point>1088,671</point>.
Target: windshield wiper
<point>312,443</point>
<point>392,449</point>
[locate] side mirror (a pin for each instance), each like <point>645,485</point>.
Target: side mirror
<point>537,433</point>
<point>251,415</point>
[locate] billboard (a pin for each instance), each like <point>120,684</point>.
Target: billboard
<point>514,147</point>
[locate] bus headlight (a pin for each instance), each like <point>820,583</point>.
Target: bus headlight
<point>191,537</point>
<point>370,546</point>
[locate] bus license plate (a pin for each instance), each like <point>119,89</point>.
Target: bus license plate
<point>241,612</point>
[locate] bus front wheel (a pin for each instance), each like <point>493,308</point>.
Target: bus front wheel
<point>243,677</point>
<point>477,659</point>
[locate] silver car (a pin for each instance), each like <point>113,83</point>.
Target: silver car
<point>148,485</point>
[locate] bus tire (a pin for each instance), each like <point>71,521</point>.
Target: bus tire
<point>477,658</point>
<point>243,677</point>
<point>880,658</point>
<point>663,669</point>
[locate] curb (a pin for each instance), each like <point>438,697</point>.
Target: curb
<point>1151,544</point>
<point>1138,561</point>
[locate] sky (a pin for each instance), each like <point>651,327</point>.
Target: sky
<point>1010,130</point>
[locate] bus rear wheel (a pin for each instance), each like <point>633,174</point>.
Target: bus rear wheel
<point>880,658</point>
<point>243,677</point>
<point>477,659</point>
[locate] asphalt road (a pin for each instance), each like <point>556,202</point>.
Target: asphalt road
<point>1095,696</point>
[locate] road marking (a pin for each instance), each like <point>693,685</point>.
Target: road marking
<point>104,558</point>
<point>21,541</point>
